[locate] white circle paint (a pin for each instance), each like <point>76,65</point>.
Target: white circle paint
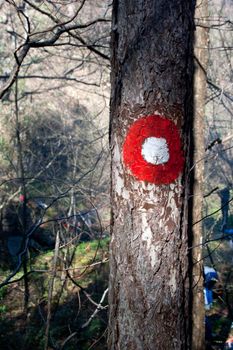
<point>155,150</point>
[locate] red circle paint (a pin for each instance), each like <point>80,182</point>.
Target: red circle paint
<point>158,132</point>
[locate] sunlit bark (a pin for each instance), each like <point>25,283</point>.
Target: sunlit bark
<point>149,279</point>
<point>201,57</point>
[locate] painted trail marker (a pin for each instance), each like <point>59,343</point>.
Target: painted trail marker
<point>152,150</point>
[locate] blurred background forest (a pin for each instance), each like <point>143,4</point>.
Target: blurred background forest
<point>54,168</point>
<point>54,174</point>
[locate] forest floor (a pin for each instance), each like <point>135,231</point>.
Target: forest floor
<point>75,297</point>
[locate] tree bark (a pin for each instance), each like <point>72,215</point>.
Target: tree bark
<point>152,72</point>
<point>201,59</point>
<point>23,217</point>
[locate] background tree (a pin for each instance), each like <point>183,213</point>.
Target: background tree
<point>197,174</point>
<point>217,211</point>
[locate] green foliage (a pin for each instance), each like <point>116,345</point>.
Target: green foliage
<point>5,152</point>
<point>3,292</point>
<point>2,142</point>
<point>3,309</point>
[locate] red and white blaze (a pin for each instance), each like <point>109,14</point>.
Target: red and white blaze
<point>152,150</point>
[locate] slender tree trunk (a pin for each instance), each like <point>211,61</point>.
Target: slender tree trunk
<point>50,291</point>
<point>23,214</point>
<point>201,57</point>
<point>149,278</point>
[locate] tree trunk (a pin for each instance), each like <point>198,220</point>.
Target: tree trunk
<point>23,216</point>
<point>201,58</point>
<point>152,72</point>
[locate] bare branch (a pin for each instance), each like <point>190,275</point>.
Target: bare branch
<point>22,253</point>
<point>15,71</point>
<point>99,307</point>
<point>214,212</point>
<point>37,8</point>
<point>39,42</point>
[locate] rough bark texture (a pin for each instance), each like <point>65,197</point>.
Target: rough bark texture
<point>149,279</point>
<point>201,58</point>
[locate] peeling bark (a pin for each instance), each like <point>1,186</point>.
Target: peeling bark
<point>201,59</point>
<point>149,279</point>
